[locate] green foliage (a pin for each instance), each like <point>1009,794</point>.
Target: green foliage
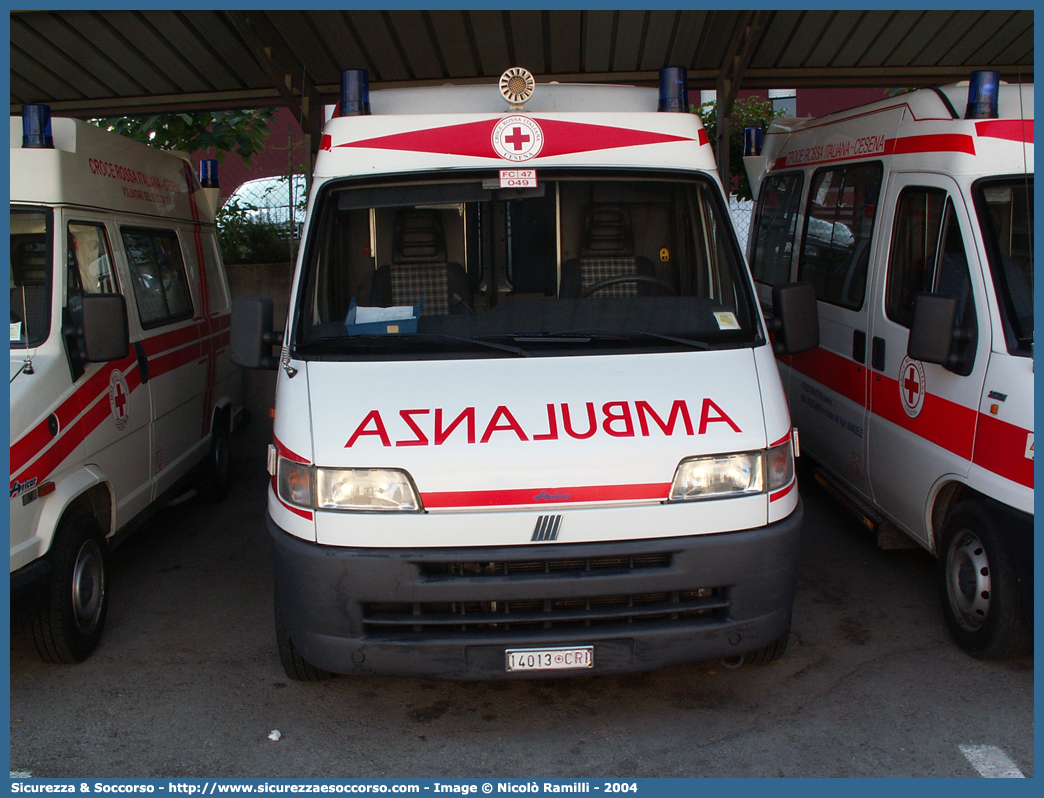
<point>241,132</point>
<point>746,112</point>
<point>244,239</point>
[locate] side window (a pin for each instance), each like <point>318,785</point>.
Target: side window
<point>157,271</point>
<point>90,260</point>
<point>915,241</point>
<point>835,255</point>
<point>778,208</point>
<point>216,287</point>
<point>928,255</point>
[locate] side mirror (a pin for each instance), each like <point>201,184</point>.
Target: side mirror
<point>252,338</point>
<point>104,330</point>
<point>796,321</point>
<point>932,330</point>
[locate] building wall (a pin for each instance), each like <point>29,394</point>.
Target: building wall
<point>284,152</point>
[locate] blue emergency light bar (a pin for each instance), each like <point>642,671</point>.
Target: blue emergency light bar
<point>355,92</point>
<point>983,95</point>
<point>674,90</point>
<point>208,173</point>
<point>36,127</point>
<point>751,141</point>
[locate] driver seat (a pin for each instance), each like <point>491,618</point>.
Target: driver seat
<point>607,251</point>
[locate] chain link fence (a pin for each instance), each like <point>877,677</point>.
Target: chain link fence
<point>742,214</point>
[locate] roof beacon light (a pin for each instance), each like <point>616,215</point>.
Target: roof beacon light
<point>355,92</point>
<point>36,127</point>
<point>208,181</point>
<point>208,173</point>
<point>674,90</point>
<point>983,95</point>
<point>516,86</point>
<point>751,141</point>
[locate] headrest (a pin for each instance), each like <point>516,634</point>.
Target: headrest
<point>607,232</point>
<point>29,260</point>
<point>418,237</point>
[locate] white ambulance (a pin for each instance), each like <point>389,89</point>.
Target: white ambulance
<point>528,421</point>
<point>113,411</point>
<point>913,219</point>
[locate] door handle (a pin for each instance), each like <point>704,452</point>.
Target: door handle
<point>859,346</point>
<point>143,361</point>
<point>877,354</point>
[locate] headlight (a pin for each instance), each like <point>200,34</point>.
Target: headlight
<point>743,474</point>
<point>358,489</point>
<point>365,489</point>
<point>719,476</point>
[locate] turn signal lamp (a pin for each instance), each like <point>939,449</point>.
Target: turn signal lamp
<point>983,95</point>
<point>355,93</point>
<point>36,127</point>
<point>674,90</point>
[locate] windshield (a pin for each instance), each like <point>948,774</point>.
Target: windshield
<point>573,263</point>
<point>30,276</point>
<point>1005,209</point>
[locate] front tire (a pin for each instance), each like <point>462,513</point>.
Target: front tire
<point>216,480</point>
<point>68,625</point>
<point>773,651</point>
<point>294,665</point>
<point>979,586</point>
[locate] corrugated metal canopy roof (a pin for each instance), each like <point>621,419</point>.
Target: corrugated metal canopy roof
<point>96,63</point>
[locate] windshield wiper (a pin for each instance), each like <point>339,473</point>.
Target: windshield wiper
<point>586,336</point>
<point>407,338</point>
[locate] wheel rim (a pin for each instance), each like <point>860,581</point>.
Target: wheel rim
<point>968,580</point>
<point>88,587</point>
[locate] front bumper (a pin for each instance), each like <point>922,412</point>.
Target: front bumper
<point>452,613</point>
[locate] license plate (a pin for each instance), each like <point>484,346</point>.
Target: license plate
<point>549,659</point>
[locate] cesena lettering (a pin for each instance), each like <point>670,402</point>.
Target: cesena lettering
<point>623,419</point>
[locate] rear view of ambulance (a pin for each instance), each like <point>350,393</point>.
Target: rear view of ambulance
<point>528,420</point>
<point>122,390</point>
<point>914,222</point>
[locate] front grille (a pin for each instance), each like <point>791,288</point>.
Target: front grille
<point>494,616</point>
<point>519,567</point>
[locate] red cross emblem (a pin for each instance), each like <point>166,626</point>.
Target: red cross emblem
<point>119,399</point>
<point>912,386</point>
<point>517,138</point>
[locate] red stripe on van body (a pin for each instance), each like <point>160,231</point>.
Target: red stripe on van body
<point>942,422</point>
<point>995,445</point>
<point>940,142</point>
<point>42,461</point>
<point>474,139</point>
<point>178,346</point>
<point>1000,447</point>
<point>590,494</point>
<point>1010,129</point>
<point>836,372</point>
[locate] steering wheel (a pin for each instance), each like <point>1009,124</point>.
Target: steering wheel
<point>662,284</point>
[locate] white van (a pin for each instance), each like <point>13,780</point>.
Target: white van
<point>112,412</point>
<point>914,222</point>
<point>528,420</point>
